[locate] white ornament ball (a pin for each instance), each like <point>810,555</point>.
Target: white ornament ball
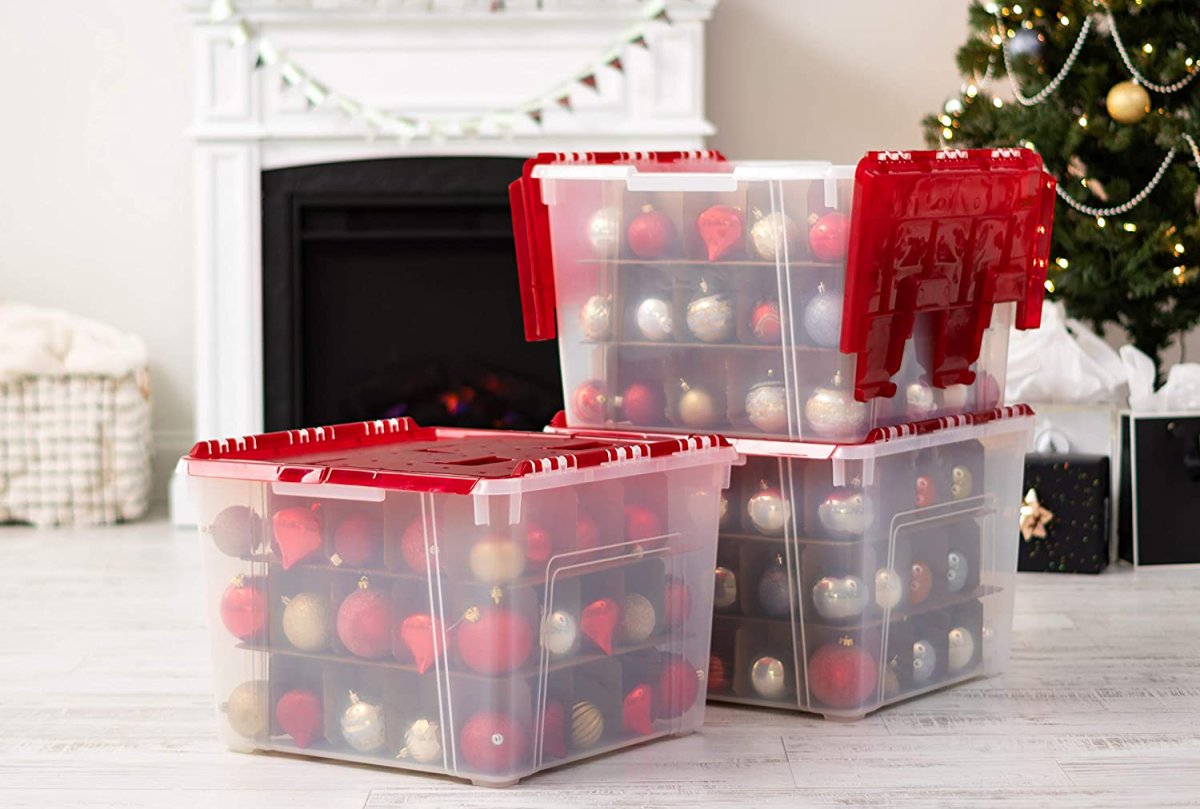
<point>766,407</point>
<point>710,318</point>
<point>889,588</point>
<point>835,414</point>
<point>362,726</point>
<point>604,231</point>
<point>654,319</point>
<point>769,678</point>
<point>725,590</point>
<point>423,742</point>
<point>561,635</point>
<point>769,511</point>
<point>595,318</point>
<point>846,512</point>
<point>837,599</point>
<point>919,401</point>
<point>962,648</point>
<point>772,234</point>
<point>924,661</point>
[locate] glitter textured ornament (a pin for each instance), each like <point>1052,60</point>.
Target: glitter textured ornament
<point>924,661</point>
<point>599,622</point>
<point>363,725</point>
<point>421,634</point>
<point>765,322</point>
<point>774,593</point>
<point>560,635</point>
<point>496,559</point>
<point>554,730</point>
<point>604,232</point>
<point>357,541</point>
<point>961,648</point>
<point>921,583</point>
<point>962,483</point>
<point>839,598</point>
<point>678,687</point>
<point>919,401</point>
<point>587,533</point>
<point>642,524</point>
<point>833,412</point>
<point>644,404</point>
<point>654,319</point>
<point>720,228</point>
<point>710,316</point>
<point>307,621</point>
<point>725,591</point>
<point>638,618</point>
<point>423,742</point>
<point>595,318</point>
<point>766,406</point>
<point>768,677</point>
<point>926,491</point>
<point>412,546</point>
<point>1127,102</point>
<point>300,714</point>
<point>637,710</point>
<point>493,742</point>
<point>651,234</point>
<point>957,571</point>
<point>823,318</point>
<point>587,725</point>
<point>842,675</point>
<point>243,609</point>
<point>247,709</point>
<point>493,640</point>
<point>236,530</point>
<point>889,588</point>
<point>698,408</point>
<point>297,534</point>
<point>677,601</point>
<point>590,400</point>
<point>769,511</point>
<point>718,675</point>
<point>847,512</point>
<point>774,237</point>
<point>829,236</point>
<point>364,622</point>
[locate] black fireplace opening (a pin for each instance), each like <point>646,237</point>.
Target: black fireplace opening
<point>390,289</point>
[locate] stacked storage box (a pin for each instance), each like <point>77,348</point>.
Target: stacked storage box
<point>848,328</point>
<point>474,603</point>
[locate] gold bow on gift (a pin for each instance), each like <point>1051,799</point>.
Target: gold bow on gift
<point>1034,517</point>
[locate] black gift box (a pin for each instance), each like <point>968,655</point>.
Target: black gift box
<point>1064,517</point>
<point>1159,514</point>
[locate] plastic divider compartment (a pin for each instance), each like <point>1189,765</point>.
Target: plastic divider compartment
<point>457,578</point>
<point>858,297</point>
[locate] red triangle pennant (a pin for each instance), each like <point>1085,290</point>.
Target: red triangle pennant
<point>662,15</point>
<point>564,102</point>
<point>536,115</point>
<point>640,41</point>
<point>589,80</point>
<point>616,64</point>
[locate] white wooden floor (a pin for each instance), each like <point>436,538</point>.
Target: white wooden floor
<point>104,701</point>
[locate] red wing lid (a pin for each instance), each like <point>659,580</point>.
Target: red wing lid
<point>946,233</point>
<point>398,454</point>
<point>531,226</point>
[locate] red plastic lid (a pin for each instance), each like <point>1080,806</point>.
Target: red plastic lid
<point>398,454</point>
<point>531,227</point>
<point>947,233</point>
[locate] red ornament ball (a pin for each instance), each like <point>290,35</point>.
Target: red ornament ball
<point>721,228</point>
<point>641,523</point>
<point>589,401</point>
<point>644,404</point>
<point>538,545</point>
<point>651,234</point>
<point>677,601</point>
<point>554,730</point>
<point>718,675</point>
<point>841,675</point>
<point>364,623</point>
<point>243,609</point>
<point>765,324</point>
<point>412,546</point>
<point>357,540</point>
<point>587,533</point>
<point>493,640</point>
<point>299,713</point>
<point>829,236</point>
<point>926,491</point>
<point>494,742</point>
<point>297,533</point>
<point>236,530</point>
<point>678,687</point>
<point>921,583</point>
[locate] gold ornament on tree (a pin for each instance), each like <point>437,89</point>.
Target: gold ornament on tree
<point>1128,102</point>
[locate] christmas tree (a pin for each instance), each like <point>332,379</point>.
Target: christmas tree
<point>1108,94</point>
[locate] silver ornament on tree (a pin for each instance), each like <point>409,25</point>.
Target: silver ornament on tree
<point>924,662</point>
<point>962,648</point>
<point>774,236</point>
<point>363,726</point>
<point>847,512</point>
<point>833,412</point>
<point>724,588</point>
<point>560,635</point>
<point>698,408</point>
<point>957,571</point>
<point>710,314</point>
<point>766,405</point>
<point>774,591</point>
<point>604,231</point>
<point>889,588</point>
<point>839,598</point>
<point>595,318</point>
<point>823,318</point>
<point>654,320</point>
<point>769,510</point>
<point>422,742</point>
<point>768,677</point>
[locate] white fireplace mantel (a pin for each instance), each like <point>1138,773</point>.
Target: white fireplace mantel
<point>419,58</point>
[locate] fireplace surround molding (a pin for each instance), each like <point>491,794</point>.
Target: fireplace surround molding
<point>422,58</point>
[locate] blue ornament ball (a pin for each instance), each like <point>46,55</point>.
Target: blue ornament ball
<point>773,593</point>
<point>823,319</point>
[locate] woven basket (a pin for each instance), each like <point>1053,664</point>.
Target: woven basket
<point>74,450</point>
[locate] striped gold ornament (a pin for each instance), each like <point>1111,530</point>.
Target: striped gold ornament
<point>587,725</point>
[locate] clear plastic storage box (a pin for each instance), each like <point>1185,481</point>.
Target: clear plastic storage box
<point>474,603</point>
<point>849,577</point>
<point>802,301</point>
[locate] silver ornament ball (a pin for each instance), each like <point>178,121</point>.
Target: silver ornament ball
<point>766,407</point>
<point>838,599</point>
<point>775,236</point>
<point>768,677</point>
<point>823,319</point>
<point>654,319</point>
<point>724,588</point>
<point>362,725</point>
<point>847,512</point>
<point>889,588</point>
<point>561,634</point>
<point>835,414</point>
<point>919,401</point>
<point>962,648</point>
<point>769,511</point>
<point>604,231</point>
<point>595,318</point>
<point>957,571</point>
<point>924,661</point>
<point>710,318</point>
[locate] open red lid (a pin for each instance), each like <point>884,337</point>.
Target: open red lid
<point>946,233</point>
<point>398,454</point>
